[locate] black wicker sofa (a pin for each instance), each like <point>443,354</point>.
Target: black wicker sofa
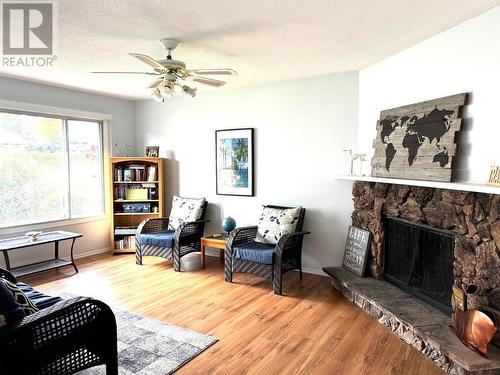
<point>62,337</point>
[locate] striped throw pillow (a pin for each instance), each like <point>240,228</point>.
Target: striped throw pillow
<point>22,300</point>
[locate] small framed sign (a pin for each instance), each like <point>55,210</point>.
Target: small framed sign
<point>356,250</point>
<point>153,151</point>
<point>494,175</point>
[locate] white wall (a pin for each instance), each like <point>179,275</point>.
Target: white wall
<point>300,129</point>
<point>465,58</point>
<point>122,130</point>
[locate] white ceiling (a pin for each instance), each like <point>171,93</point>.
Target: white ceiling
<point>264,40</point>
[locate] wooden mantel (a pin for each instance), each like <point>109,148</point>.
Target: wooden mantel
<point>462,186</point>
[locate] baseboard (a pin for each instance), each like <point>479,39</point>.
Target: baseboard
<point>90,253</point>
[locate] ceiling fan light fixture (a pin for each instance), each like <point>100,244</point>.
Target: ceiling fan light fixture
<point>167,94</point>
<point>168,91</point>
<point>189,91</point>
<point>156,95</point>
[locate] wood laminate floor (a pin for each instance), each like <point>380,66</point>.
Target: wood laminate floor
<point>311,330</point>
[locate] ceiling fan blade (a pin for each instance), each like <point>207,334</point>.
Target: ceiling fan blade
<point>126,73</point>
<point>148,60</point>
<point>207,81</point>
<point>155,84</point>
<point>229,72</point>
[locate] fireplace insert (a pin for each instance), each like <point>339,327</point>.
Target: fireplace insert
<point>419,260</point>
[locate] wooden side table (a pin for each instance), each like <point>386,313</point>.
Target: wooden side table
<point>215,242</point>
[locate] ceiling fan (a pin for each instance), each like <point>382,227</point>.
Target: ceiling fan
<point>171,74</point>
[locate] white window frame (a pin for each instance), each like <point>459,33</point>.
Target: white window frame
<point>66,114</point>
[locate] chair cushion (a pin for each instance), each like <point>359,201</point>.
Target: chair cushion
<point>39,299</point>
<point>275,222</point>
<point>165,238</point>
<point>10,311</point>
<point>255,252</point>
<point>185,210</point>
<point>21,299</point>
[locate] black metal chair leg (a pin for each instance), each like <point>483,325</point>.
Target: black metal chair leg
<point>71,252</point>
<point>112,368</point>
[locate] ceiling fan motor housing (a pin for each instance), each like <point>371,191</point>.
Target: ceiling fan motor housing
<point>172,64</point>
<point>169,43</point>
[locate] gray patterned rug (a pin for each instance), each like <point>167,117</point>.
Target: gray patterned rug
<point>150,347</point>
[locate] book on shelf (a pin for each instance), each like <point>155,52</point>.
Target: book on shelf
<point>125,243</point>
<point>152,173</point>
<point>138,172</point>
<point>119,192</point>
<point>118,174</point>
<point>132,172</point>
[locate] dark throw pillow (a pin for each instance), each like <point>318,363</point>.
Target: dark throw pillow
<point>20,298</point>
<point>10,311</point>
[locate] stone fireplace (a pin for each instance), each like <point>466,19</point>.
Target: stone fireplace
<point>424,240</point>
<point>472,217</point>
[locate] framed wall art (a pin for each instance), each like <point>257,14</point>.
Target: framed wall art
<point>419,141</point>
<point>234,157</point>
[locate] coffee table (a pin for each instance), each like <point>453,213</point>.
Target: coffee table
<point>217,242</point>
<point>16,243</point>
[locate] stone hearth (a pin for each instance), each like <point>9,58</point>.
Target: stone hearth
<point>474,217</point>
<point>417,323</point>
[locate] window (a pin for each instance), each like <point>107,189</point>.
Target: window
<point>50,168</point>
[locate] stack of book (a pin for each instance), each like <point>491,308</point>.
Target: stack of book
<point>131,231</point>
<point>135,172</point>
<point>120,192</point>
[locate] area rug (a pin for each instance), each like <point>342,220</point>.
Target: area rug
<point>150,347</point>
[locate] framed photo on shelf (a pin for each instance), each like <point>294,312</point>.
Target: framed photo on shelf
<point>152,151</point>
<point>234,156</point>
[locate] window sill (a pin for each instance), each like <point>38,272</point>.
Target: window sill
<point>51,224</point>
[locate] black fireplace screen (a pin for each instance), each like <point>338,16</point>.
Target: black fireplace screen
<point>419,260</point>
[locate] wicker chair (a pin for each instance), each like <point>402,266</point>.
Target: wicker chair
<point>186,239</point>
<point>286,256</point>
<point>64,338</point>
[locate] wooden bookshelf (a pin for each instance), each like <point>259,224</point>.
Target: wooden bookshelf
<point>134,190</point>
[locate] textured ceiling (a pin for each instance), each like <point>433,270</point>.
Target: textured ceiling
<point>264,40</point>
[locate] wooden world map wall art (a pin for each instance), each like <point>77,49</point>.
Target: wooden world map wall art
<point>417,141</point>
